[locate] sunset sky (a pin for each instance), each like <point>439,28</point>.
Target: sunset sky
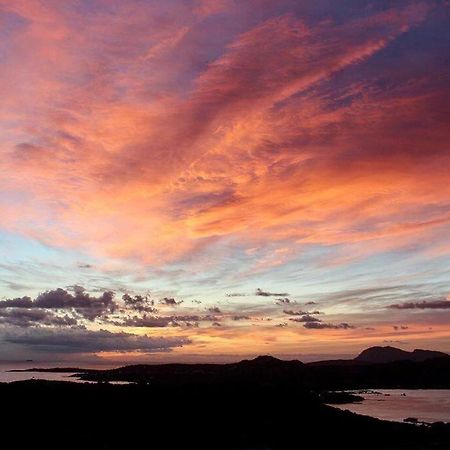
<point>208,180</point>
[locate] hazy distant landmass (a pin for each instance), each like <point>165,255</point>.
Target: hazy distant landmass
<point>54,370</point>
<point>391,354</point>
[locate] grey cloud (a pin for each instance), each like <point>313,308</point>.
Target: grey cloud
<point>290,312</point>
<point>21,302</point>
<point>321,325</point>
<point>144,321</point>
<point>139,303</point>
<point>305,319</point>
<point>82,302</point>
<point>88,306</point>
<point>22,317</point>
<point>148,321</point>
<point>209,318</point>
<point>63,321</point>
<point>385,295</point>
<point>284,301</point>
<point>83,341</point>
<point>262,293</point>
<point>240,317</point>
<point>436,304</point>
<point>170,301</point>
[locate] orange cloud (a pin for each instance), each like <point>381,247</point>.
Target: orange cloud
<point>117,145</point>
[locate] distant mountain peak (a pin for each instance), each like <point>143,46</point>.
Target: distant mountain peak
<point>391,354</point>
<point>263,360</point>
<point>268,360</point>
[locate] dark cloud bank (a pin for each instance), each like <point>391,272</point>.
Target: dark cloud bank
<point>54,322</point>
<point>59,321</point>
<point>84,341</point>
<point>436,304</point>
<point>89,307</point>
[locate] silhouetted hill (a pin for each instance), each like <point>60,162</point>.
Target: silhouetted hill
<point>429,374</point>
<point>418,369</point>
<point>388,354</point>
<point>423,355</point>
<point>264,360</point>
<point>335,362</point>
<point>239,414</point>
<point>263,403</point>
<point>262,369</point>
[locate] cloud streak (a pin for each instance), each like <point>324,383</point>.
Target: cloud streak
<point>322,326</point>
<point>436,304</point>
<point>209,186</point>
<point>194,149</point>
<point>82,341</point>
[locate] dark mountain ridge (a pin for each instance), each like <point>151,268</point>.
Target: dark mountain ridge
<point>391,354</point>
<point>376,367</point>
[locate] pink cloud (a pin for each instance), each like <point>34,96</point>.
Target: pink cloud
<point>116,146</point>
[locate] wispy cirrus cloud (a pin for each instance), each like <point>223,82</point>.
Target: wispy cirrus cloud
<point>258,83</point>
<point>202,144</point>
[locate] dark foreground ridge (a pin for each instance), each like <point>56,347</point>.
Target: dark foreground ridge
<point>257,412</point>
<point>264,403</point>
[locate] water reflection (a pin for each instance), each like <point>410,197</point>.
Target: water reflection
<point>427,405</point>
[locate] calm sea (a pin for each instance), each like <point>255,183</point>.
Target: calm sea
<point>7,377</point>
<point>427,405</point>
